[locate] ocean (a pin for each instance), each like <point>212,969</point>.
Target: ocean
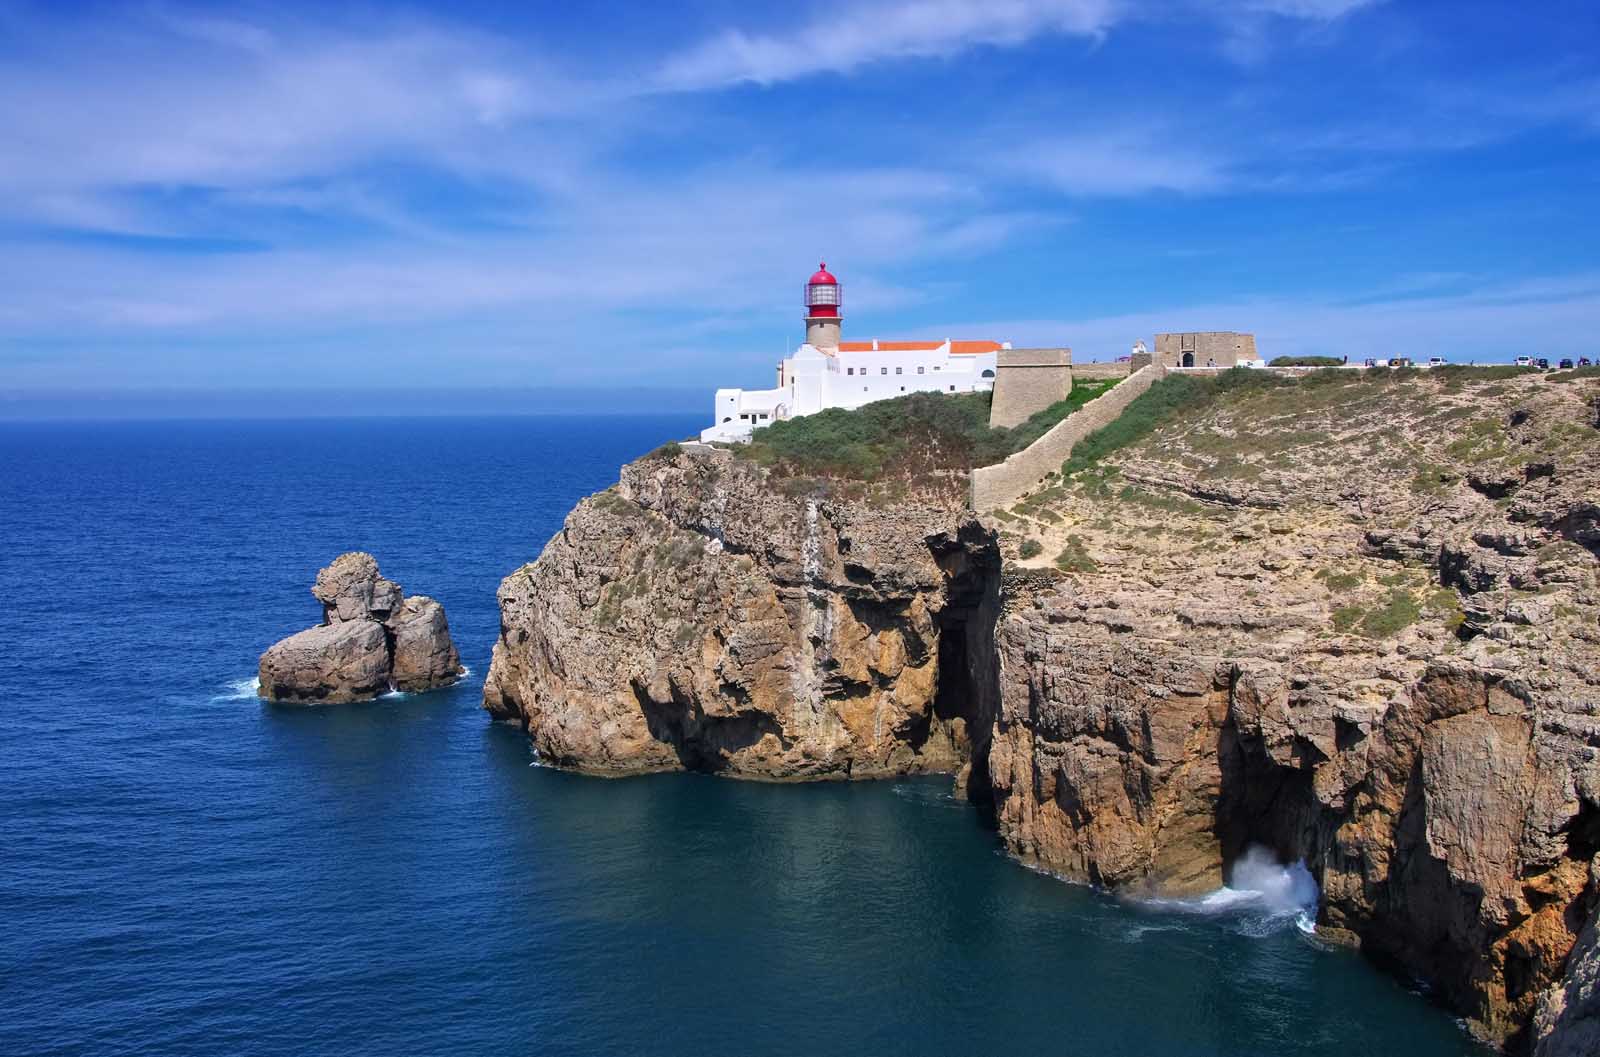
<point>187,870</point>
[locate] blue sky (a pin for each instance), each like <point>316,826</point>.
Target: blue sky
<point>475,197</point>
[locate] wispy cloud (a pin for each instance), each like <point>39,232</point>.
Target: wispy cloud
<point>843,38</point>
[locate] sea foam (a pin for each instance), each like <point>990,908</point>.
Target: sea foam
<point>1263,894</point>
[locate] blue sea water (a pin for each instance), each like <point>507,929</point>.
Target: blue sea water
<point>186,870</point>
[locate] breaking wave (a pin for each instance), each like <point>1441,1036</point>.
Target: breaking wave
<point>1262,896</point>
<point>240,690</point>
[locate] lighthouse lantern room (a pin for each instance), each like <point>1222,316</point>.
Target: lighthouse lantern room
<point>822,309</point>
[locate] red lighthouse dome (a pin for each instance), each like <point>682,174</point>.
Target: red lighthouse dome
<point>822,294</point>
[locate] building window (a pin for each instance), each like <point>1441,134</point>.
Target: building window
<point>863,389</point>
<point>988,374</point>
<point>952,388</point>
<point>883,370</point>
<point>728,419</point>
<point>897,370</point>
<point>919,370</point>
<point>936,367</point>
<point>744,418</point>
<point>849,370</point>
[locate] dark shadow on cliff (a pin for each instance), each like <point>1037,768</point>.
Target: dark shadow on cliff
<point>703,743</point>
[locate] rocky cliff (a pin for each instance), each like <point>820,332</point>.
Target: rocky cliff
<point>372,639</point>
<point>1356,621</point>
<point>699,616</point>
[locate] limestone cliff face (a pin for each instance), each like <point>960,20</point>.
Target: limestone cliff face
<point>697,616</point>
<point>1386,666</point>
<point>1356,622</point>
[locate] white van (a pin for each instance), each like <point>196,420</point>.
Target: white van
<point>1524,361</point>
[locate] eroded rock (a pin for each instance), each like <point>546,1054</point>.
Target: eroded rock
<point>372,639</point>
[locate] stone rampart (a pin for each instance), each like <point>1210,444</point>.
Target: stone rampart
<point>1096,372</point>
<point>1028,381</point>
<point>1004,483</point>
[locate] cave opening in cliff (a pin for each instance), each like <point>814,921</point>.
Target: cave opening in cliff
<point>967,694</point>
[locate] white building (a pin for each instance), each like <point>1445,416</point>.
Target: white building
<point>826,372</point>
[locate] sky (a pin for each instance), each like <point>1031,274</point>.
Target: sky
<point>613,205</point>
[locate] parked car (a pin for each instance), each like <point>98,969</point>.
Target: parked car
<point>1369,362</point>
<point>1524,361</point>
<point>1436,361</point>
<point>1583,361</point>
<point>1542,363</point>
<point>1565,364</point>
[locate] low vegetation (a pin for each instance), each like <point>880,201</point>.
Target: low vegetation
<point>908,436</point>
<point>1306,361</point>
<point>1169,397</point>
<point>1075,558</point>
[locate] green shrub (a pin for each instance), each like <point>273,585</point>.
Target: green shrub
<point>1399,612</point>
<point>670,450</point>
<point>1340,582</point>
<point>1347,617</point>
<point>1074,557</point>
<point>1025,433</point>
<point>908,435</point>
<point>1306,361</point>
<point>1031,548</point>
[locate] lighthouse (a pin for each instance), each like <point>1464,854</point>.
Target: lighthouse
<point>822,309</point>
<point>826,372</point>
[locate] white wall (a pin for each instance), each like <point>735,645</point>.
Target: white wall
<point>846,379</point>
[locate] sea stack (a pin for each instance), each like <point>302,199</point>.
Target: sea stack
<point>372,639</point>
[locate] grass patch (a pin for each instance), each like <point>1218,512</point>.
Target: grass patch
<point>1074,557</point>
<point>1347,617</point>
<point>1030,548</point>
<point>1340,582</point>
<point>1166,504</point>
<point>1168,398</point>
<point>1396,614</point>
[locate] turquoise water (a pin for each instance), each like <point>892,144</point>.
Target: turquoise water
<point>185,870</point>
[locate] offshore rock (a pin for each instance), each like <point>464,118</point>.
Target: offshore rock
<point>372,639</point>
<point>330,663</point>
<point>700,616</point>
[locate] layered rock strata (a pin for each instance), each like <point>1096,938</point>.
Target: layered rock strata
<point>698,617</point>
<point>372,639</point>
<point>1356,622</point>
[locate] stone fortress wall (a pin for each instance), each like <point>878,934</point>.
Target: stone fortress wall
<point>1002,484</point>
<point>1026,382</point>
<point>1099,372</point>
<point>1210,348</point>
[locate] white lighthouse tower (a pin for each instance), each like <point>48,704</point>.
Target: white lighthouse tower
<point>822,309</point>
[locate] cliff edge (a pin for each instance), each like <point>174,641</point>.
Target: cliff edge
<point>701,615</point>
<point>1353,617</point>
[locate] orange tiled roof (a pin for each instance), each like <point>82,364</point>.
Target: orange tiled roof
<point>957,348</point>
